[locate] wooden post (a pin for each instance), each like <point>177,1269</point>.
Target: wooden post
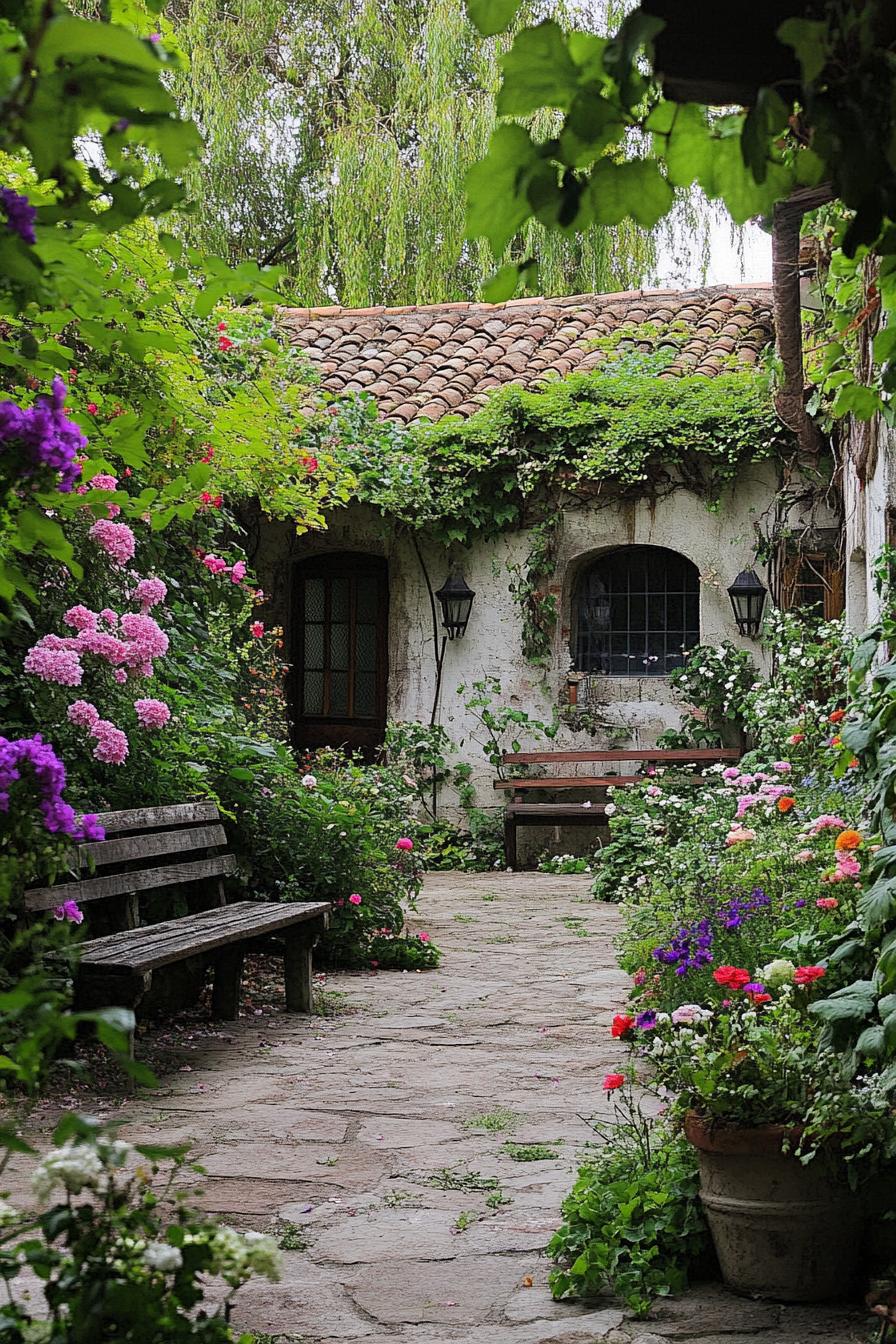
<point>226,988</point>
<point>510,840</point>
<point>297,971</point>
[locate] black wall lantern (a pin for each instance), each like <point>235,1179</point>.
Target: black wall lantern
<point>747,598</point>
<point>456,600</point>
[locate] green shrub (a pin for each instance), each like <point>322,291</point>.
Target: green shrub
<point>633,1222</point>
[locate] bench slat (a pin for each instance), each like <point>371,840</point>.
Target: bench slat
<point>145,818</point>
<point>571,782</point>
<point>651,754</point>
<point>203,932</point>
<point>122,884</point>
<point>572,810</point>
<point>147,846</point>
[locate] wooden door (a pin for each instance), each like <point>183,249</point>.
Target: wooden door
<point>340,651</point>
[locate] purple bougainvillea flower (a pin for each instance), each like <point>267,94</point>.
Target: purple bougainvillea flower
<point>20,213</point>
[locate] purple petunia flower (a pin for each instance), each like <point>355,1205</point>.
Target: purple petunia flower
<point>646,1021</point>
<point>754,987</point>
<point>20,214</point>
<point>45,434</point>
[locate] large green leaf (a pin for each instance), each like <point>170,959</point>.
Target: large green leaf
<point>497,203</point>
<point>617,190</point>
<point>538,72</point>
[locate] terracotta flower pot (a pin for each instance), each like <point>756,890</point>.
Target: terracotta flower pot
<point>781,1230</point>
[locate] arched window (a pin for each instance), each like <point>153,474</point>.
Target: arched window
<point>636,610</point>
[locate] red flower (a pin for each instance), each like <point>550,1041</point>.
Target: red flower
<point>92,408</point>
<point>256,629</point>
<point>73,375</point>
<point>612,1081</point>
<point>786,803</point>
<point>622,1025</point>
<point>224,343</point>
<point>827,902</point>
<point>222,326</point>
<point>209,453</point>
<point>731,977</point>
<point>309,463</point>
<point>837,716</point>
<point>760,998</point>
<point>805,975</point>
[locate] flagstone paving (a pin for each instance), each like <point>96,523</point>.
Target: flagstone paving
<point>373,1142</point>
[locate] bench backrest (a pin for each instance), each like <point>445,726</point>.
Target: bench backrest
<point>185,836</point>
<point>652,755</point>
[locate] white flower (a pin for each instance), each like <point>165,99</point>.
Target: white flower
<point>162,1258</point>
<point>309,781</point>
<point>8,1214</point>
<point>609,809</point>
<point>74,1166</point>
<point>688,1013</point>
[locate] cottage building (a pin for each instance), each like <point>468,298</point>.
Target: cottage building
<point>636,579</point>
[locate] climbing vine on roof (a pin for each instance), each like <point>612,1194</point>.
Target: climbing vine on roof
<point>619,431</point>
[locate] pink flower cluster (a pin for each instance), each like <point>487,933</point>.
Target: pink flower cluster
<point>152,713</point>
<point>767,793</point>
<point>116,539</point>
<point>111,743</point>
<point>847,868</point>
<point>826,822</point>
<point>150,593</point>
<point>139,640</point>
<point>215,565</point>
<point>102,481</point>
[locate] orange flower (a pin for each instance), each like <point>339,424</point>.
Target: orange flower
<point>837,716</point>
<point>786,803</point>
<point>848,840</point>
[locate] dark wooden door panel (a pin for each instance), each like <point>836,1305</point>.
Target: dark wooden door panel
<point>339,646</point>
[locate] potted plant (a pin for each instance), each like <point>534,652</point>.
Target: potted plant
<point>785,1131</point>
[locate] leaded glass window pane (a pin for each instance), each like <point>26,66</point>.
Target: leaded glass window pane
<point>636,611</point>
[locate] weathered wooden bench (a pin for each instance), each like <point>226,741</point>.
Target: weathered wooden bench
<point>521,813</point>
<point>190,842</point>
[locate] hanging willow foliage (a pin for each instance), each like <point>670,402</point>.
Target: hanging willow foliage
<point>338,137</point>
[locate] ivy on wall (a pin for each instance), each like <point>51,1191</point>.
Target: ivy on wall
<point>618,432</point>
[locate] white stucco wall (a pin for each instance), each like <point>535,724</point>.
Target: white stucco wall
<point>869,490</point>
<point>719,543</point>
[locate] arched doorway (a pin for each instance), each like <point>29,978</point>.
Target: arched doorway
<point>340,613</point>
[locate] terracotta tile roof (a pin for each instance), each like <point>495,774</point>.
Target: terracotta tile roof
<point>442,359</point>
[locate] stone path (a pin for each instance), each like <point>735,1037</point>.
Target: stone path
<point>374,1141</point>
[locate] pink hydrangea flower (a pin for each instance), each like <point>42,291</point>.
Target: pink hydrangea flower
<point>354,899</point>
<point>111,743</point>
<point>103,645</point>
<point>120,675</point>
<point>731,772</point>
<point>82,714</point>
<point>404,843</point>
<point>109,616</point>
<point>80,618</point>
<point>782,767</point>
<point>214,564</point>
<point>116,539</point>
<point>103,481</point>
<point>62,667</point>
<point>150,592</point>
<point>152,713</point>
<point>70,911</point>
<point>238,572</point>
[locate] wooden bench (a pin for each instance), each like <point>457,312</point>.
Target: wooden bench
<point>521,813</point>
<point>189,841</point>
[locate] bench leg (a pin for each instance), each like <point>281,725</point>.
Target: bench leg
<point>226,988</point>
<point>510,841</point>
<point>297,972</point>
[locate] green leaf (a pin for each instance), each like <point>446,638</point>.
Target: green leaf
<point>688,151</point>
<point>538,72</point>
<point>809,39</point>
<point>617,190</point>
<point>492,16</point>
<point>502,285</point>
<point>67,38</point>
<point>497,203</point>
<point>853,1003</point>
<point>877,905</point>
